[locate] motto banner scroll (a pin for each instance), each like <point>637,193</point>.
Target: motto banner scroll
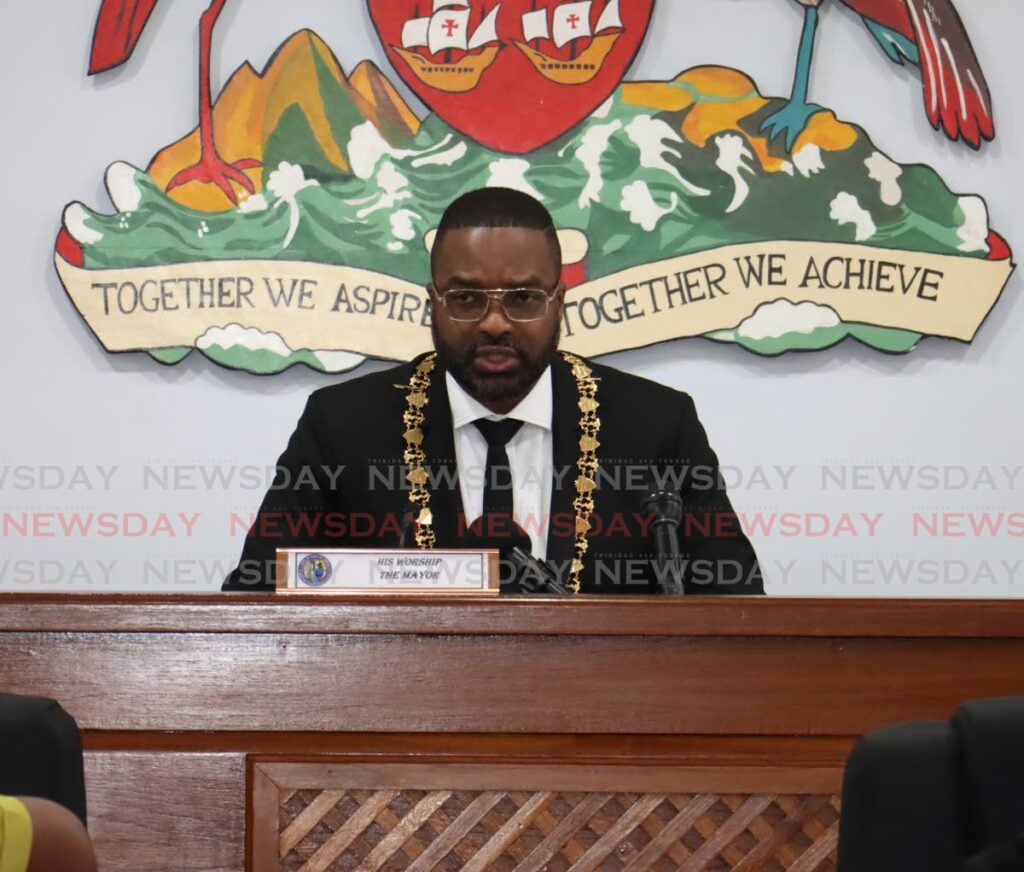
<point>337,308</point>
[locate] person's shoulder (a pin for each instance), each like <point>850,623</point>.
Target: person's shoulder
<point>618,383</point>
<point>372,387</point>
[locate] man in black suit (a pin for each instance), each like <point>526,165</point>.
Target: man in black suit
<point>500,440</point>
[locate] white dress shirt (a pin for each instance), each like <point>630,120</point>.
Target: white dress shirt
<point>529,456</point>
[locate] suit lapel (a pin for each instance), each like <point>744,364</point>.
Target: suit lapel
<point>565,434</point>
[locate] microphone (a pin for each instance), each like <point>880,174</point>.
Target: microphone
<point>667,508</point>
<point>408,519</point>
<point>547,580</point>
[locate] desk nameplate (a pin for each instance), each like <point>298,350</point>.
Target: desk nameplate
<point>382,571</point>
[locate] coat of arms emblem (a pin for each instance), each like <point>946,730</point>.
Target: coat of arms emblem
<point>291,225</point>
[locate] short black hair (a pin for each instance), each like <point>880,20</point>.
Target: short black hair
<point>497,207</point>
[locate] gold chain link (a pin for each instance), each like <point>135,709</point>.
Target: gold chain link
<point>414,456</point>
<point>586,464</point>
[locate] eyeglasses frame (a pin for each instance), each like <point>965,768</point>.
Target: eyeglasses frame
<point>497,295</point>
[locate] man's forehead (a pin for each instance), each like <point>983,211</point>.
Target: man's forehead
<point>474,239</point>
<point>466,249</point>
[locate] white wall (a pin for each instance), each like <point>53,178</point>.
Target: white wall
<point>66,403</point>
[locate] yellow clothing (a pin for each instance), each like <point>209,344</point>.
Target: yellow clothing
<point>15,835</point>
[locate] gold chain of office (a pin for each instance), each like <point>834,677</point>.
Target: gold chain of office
<point>586,463</point>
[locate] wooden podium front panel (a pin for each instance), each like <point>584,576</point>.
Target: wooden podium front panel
<point>528,818</point>
<point>713,728</point>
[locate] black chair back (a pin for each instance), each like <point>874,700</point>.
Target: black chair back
<point>41,752</point>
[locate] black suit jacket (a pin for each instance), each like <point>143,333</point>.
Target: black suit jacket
<point>340,483</point>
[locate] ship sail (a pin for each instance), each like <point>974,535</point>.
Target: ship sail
<point>570,21</point>
<point>414,32</point>
<point>448,30</point>
<point>487,31</point>
<point>535,25</point>
<point>609,17</point>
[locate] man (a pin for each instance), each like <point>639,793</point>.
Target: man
<point>500,440</point>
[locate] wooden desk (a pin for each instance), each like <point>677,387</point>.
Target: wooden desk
<point>596,733</point>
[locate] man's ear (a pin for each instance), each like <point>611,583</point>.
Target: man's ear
<point>559,296</point>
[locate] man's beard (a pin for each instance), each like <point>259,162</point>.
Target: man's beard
<point>499,386</point>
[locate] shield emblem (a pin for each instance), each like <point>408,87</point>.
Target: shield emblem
<point>512,74</point>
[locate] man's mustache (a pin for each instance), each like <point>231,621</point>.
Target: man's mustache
<point>497,342</point>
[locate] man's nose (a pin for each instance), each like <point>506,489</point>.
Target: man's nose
<point>494,322</point>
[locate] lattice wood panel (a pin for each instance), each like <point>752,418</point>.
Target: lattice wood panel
<point>554,831</point>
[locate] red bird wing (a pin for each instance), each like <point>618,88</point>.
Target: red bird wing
<point>889,13</point>
<point>118,27</point>
<point>956,95</point>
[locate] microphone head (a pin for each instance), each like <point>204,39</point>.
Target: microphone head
<point>664,505</point>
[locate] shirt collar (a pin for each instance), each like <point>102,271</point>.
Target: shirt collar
<point>534,408</point>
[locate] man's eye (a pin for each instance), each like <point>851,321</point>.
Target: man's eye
<point>463,297</point>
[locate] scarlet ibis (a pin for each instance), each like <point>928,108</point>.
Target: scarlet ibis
<point>929,34</point>
<point>118,27</point>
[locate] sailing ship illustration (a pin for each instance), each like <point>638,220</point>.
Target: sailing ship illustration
<point>567,24</point>
<point>446,32</point>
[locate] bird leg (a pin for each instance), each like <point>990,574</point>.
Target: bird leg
<point>792,118</point>
<point>211,168</point>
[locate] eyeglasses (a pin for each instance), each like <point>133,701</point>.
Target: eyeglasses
<point>519,304</point>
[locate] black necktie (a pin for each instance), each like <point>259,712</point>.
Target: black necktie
<point>497,523</point>
<point>498,499</point>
